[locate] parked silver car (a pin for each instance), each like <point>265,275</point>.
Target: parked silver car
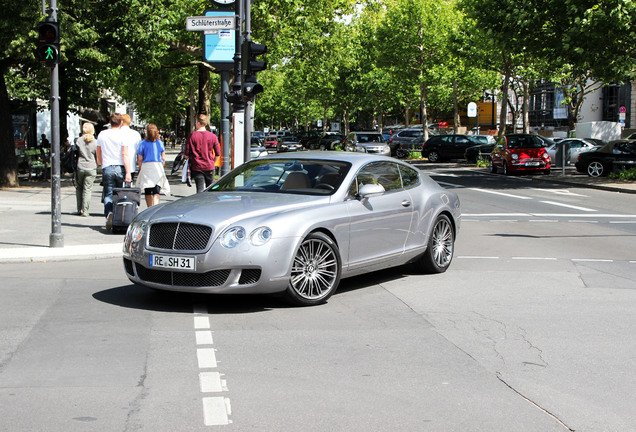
<point>295,223</point>
<point>367,142</point>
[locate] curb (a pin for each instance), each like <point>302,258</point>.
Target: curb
<point>66,253</point>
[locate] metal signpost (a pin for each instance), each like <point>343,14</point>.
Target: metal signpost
<point>49,54</point>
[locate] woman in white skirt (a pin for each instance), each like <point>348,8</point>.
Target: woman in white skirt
<point>151,157</point>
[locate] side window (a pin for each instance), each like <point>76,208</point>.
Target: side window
<point>445,140</point>
<point>386,174</point>
<point>410,176</point>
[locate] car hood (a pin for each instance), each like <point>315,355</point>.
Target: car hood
<point>221,209</point>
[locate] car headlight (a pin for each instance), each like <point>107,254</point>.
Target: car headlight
<point>232,237</point>
<point>260,236</point>
<point>545,156</point>
<point>134,234</point>
<point>361,149</point>
<point>515,156</point>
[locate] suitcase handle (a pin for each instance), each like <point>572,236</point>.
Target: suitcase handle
<point>127,184</point>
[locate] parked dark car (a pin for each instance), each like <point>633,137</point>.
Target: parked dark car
<point>472,154</point>
<point>327,141</point>
<point>406,139</point>
<point>605,159</point>
<point>443,147</point>
<point>308,138</point>
<point>520,152</point>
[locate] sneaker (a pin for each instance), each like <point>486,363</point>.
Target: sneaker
<point>109,221</point>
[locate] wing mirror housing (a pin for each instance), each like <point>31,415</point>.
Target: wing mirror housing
<point>370,190</point>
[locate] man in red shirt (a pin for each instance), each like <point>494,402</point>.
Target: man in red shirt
<point>202,152</point>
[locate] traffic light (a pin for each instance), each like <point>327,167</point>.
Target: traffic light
<point>49,43</point>
<point>250,66</point>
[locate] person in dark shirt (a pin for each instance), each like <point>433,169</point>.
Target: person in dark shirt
<point>202,152</point>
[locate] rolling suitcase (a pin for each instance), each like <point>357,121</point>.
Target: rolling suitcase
<point>126,202</point>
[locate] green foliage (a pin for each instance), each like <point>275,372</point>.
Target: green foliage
<point>624,175</point>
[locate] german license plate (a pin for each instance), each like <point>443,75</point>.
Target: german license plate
<point>173,262</point>
<point>532,164</point>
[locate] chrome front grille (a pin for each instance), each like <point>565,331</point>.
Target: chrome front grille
<point>172,278</point>
<point>179,236</point>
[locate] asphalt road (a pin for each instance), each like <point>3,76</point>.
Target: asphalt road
<point>531,329</point>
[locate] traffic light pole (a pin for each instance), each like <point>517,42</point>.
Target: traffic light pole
<point>247,121</point>
<point>56,238</point>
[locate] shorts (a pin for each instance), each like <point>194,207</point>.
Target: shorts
<point>153,190</point>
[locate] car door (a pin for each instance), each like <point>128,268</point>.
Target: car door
<point>379,224</point>
<point>460,144</point>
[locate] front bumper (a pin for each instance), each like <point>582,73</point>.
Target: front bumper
<point>246,269</point>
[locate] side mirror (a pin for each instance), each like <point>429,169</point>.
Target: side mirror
<point>371,189</point>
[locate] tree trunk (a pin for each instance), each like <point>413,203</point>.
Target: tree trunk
<point>424,115</point>
<point>503,115</point>
<point>8,160</point>
<point>457,122</point>
<point>204,90</point>
<point>525,107</point>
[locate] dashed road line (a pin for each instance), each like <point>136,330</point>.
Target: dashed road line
<point>501,194</point>
<point>216,409</point>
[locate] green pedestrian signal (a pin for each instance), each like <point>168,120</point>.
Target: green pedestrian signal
<point>49,43</point>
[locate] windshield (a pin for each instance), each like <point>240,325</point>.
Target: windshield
<point>524,142</point>
<point>304,176</point>
<point>367,138</point>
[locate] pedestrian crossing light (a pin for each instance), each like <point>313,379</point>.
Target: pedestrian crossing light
<point>49,43</point>
<point>250,65</point>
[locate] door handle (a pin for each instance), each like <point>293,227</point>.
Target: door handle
<point>406,203</point>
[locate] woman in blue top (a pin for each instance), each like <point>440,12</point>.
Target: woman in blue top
<point>151,157</point>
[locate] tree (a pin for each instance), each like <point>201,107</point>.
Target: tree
<point>416,32</point>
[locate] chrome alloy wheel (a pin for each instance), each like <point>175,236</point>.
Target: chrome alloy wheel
<point>315,272</point>
<point>442,243</point>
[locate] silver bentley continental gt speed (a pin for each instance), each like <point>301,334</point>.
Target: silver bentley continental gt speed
<point>297,224</point>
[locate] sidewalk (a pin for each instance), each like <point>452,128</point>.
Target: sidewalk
<point>26,223</point>
<point>25,216</point>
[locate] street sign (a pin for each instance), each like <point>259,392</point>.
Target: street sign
<point>622,109</point>
<point>211,23</point>
<point>472,109</point>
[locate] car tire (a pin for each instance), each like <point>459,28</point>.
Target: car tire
<point>493,168</point>
<point>315,272</point>
<point>440,247</point>
<point>596,169</point>
<point>433,156</point>
<point>505,168</point>
<point>322,147</point>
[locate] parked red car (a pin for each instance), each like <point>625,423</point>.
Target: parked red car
<point>271,141</point>
<point>520,152</point>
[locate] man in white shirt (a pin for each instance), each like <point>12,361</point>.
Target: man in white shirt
<point>112,155</point>
<point>132,138</point>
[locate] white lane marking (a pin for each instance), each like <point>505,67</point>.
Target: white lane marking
<point>201,322</point>
<point>568,206</point>
<point>479,257</point>
<point>543,220</point>
<point>443,174</point>
<point>206,358</point>
<point>496,215</point>
<point>504,220</point>
<point>534,258</point>
<point>204,338</point>
<point>623,222</point>
<point>583,221</point>
<point>216,411</point>
<point>211,382</point>
<point>591,260</point>
<point>500,193</point>
<point>559,192</point>
<point>551,215</point>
